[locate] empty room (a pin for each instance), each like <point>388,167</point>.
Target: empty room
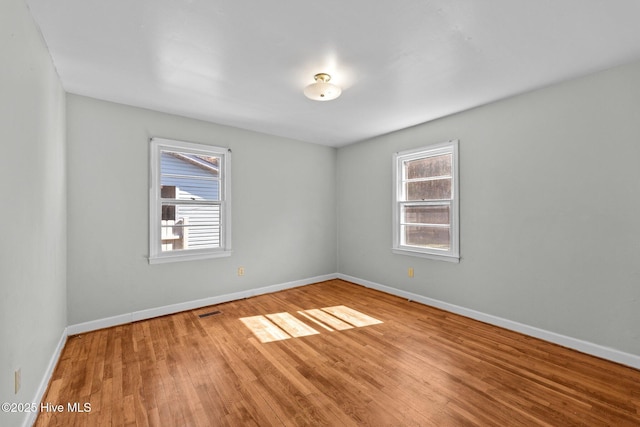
<point>291,213</point>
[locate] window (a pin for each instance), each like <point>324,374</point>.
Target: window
<point>189,201</point>
<point>425,202</point>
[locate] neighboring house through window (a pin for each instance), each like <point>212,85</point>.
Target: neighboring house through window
<point>426,200</point>
<point>189,201</point>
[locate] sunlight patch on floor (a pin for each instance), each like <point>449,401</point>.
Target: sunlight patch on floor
<point>327,319</point>
<point>264,329</point>
<point>291,325</point>
<point>282,326</point>
<point>351,316</point>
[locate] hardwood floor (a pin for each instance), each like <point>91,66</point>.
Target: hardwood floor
<point>419,367</point>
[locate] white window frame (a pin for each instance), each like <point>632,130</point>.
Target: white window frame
<point>156,255</point>
<point>453,254</point>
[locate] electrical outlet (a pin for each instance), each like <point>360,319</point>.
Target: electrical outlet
<point>240,271</point>
<point>410,272</point>
<point>17,380</point>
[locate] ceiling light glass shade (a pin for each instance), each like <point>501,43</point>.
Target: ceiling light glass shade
<point>322,90</point>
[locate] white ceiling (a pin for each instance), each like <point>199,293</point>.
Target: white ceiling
<point>399,62</point>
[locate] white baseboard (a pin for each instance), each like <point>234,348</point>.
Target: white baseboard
<point>150,313</point>
<point>597,350</point>
<point>30,419</point>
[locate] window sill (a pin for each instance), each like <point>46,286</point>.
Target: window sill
<point>438,257</point>
<point>163,259</point>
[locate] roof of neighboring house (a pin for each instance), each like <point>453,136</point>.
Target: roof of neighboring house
<point>207,163</point>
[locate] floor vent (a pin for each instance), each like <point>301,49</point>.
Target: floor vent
<point>211,313</point>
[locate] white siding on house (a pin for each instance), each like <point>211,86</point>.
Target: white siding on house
<point>192,181</point>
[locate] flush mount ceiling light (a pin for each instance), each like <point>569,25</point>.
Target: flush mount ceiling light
<point>322,90</point>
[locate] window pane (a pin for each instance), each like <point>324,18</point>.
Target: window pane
<point>178,163</point>
<point>194,227</point>
<point>436,189</point>
<point>428,237</point>
<point>188,176</point>
<point>168,212</point>
<point>426,214</point>
<point>168,191</point>
<point>428,167</point>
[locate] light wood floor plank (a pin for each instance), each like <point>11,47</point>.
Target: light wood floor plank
<point>352,357</point>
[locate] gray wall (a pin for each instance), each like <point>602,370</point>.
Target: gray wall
<point>33,212</point>
<point>283,212</point>
<point>550,210</point>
